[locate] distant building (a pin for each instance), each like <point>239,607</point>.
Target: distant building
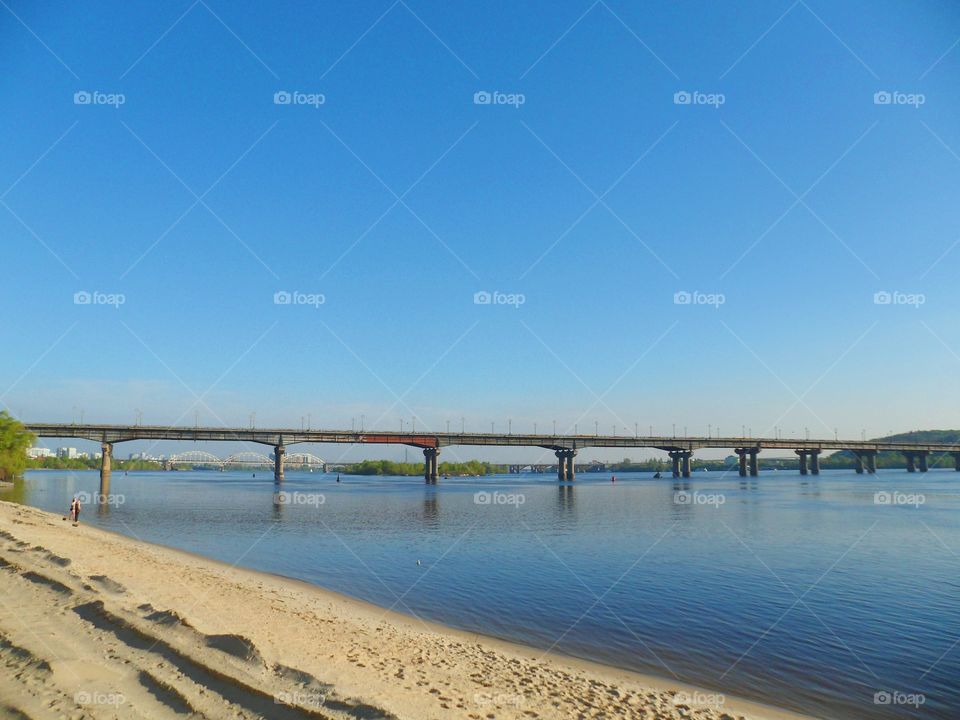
<point>39,452</point>
<point>67,452</point>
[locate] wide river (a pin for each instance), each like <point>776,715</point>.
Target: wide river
<point>836,595</point>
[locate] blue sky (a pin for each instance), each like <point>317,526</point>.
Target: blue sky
<point>787,188</point>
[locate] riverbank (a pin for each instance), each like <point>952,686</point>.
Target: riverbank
<point>95,624</point>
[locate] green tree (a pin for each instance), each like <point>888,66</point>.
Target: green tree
<point>14,441</point>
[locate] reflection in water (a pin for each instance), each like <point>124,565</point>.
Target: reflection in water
<point>565,498</point>
<point>431,508</point>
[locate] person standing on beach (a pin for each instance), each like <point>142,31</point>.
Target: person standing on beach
<point>75,509</point>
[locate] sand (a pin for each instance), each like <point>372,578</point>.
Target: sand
<point>98,625</point>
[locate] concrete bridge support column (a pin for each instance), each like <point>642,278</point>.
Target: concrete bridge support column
<point>911,462</point>
<point>105,467</point>
<point>814,462</point>
<point>685,463</point>
<point>754,463</point>
<point>571,465</point>
<point>858,459</point>
<point>278,452</point>
<point>561,464</point>
<point>871,462</point>
<point>956,461</point>
<point>742,455</point>
<point>922,456</point>
<point>802,454</point>
<point>675,457</point>
<point>430,464</point>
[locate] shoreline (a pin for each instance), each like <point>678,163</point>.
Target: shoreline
<point>137,618</point>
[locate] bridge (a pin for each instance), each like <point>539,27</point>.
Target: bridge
<point>565,447</point>
<point>199,458</point>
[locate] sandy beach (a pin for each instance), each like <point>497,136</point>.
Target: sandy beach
<point>97,625</point>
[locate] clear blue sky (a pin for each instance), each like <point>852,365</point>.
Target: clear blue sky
<point>798,198</point>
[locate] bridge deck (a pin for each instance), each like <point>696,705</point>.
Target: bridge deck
<point>286,436</point>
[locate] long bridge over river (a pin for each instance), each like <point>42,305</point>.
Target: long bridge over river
<point>565,447</point>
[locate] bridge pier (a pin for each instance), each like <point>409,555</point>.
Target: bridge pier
<point>922,456</point>
<point>430,464</point>
<point>814,462</point>
<point>956,461</point>
<point>278,452</point>
<point>802,455</point>
<point>911,461</point>
<point>754,463</point>
<point>105,468</point>
<point>866,459</point>
<point>566,469</point>
<point>681,462</point>
<point>742,456</point>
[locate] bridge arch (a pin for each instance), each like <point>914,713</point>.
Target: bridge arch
<point>195,457</point>
<point>248,458</point>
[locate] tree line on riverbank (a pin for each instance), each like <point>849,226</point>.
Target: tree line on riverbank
<point>14,441</point>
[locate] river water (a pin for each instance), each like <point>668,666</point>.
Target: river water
<point>837,595</point>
